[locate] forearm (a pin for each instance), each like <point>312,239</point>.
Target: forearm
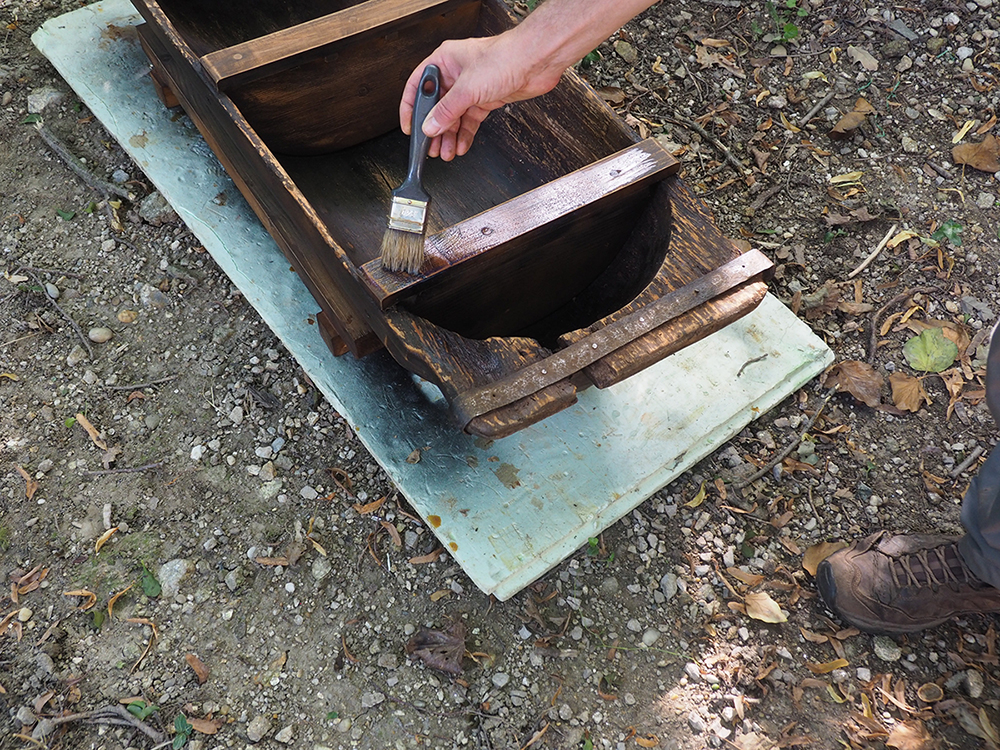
<point>559,33</point>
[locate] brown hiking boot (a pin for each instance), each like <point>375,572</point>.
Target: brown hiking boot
<point>888,583</point>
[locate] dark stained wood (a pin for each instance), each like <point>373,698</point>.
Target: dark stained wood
<point>289,47</point>
<point>163,91</point>
<point>510,253</point>
<point>592,261</point>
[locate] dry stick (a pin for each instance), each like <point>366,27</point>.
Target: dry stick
<point>131,470</point>
<point>74,163</point>
<point>137,386</point>
<point>973,457</point>
<point>874,253</point>
<point>711,139</point>
<point>788,448</point>
<point>873,339</point>
<point>110,715</point>
<point>52,270</point>
<point>66,316</point>
<point>818,106</point>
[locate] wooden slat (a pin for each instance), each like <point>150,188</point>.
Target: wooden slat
<point>290,47</point>
<point>469,252</point>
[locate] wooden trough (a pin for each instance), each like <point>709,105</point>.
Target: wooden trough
<point>561,253</point>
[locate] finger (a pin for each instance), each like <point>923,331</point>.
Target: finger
<point>448,146</point>
<point>410,96</point>
<point>448,112</point>
<point>434,150</point>
<point>470,126</point>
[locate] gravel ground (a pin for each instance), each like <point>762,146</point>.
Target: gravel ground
<point>228,477</point>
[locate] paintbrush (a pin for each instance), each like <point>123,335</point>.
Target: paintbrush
<point>403,242</point>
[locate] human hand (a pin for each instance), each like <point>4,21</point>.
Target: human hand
<point>477,76</point>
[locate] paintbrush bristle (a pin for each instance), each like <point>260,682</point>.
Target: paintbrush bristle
<point>402,251</point>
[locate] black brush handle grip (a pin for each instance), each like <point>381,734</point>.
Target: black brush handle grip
<point>428,93</point>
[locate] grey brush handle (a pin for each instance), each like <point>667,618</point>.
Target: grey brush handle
<point>428,93</point>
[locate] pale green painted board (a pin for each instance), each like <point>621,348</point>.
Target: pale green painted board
<point>512,509</point>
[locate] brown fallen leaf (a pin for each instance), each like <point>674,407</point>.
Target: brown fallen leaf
<point>393,533</point>
<point>204,726</point>
<point>651,741</point>
<point>272,561</point>
<point>863,56</point>
<point>760,606</point>
<point>199,668</point>
<point>826,667</point>
<point>611,94</point>
<point>846,126</point>
<point>750,579</point>
<point>90,598</point>
<point>859,379</point>
<point>441,650</point>
<point>113,600</point>
<point>908,392</point>
<point>428,558</point>
<point>911,734</point>
<point>818,553</point>
<point>30,485</point>
<point>95,436</point>
<point>371,507</point>
<point>103,538</point>
<point>984,156</point>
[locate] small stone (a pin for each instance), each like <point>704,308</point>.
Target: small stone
<point>120,176</point>
<point>127,316</point>
<point>258,728</point>
<point>100,335</point>
<point>284,736</point>
<point>197,451</point>
<point>963,53</point>
<point>910,146</point>
<point>777,102</point>
<point>6,99</point>
<point>967,65</point>
<point>236,415</point>
<point>565,712</point>
<point>25,716</point>
<point>308,493</point>
<point>41,99</point>
<point>51,290</point>
<point>267,472</point>
<point>150,296</point>
<point>952,19</point>
<point>370,700</point>
<point>264,452</point>
<point>935,44</point>
<point>170,575</point>
<point>886,649</point>
<point>692,671</point>
<point>895,48</point>
<point>152,421</point>
<point>911,113</point>
<point>634,625</point>
<point>973,683</point>
<point>45,464</point>
<point>500,679</point>
<point>232,580</point>
<point>24,614</point>
<point>651,636</point>
<point>986,200</point>
<point>626,51</point>
<point>290,587</point>
<point>668,585</point>
<point>697,724</point>
<point>77,355</point>
<point>155,210</point>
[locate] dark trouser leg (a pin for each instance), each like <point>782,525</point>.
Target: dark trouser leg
<point>980,547</point>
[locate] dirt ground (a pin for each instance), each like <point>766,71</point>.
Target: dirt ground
<point>219,450</point>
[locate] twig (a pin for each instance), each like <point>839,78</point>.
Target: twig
<point>137,386</point>
<point>74,163</point>
<point>130,470</point>
<point>788,448</point>
<point>940,170</point>
<point>874,253</point>
<point>684,123</point>
<point>749,362</point>
<point>818,106</point>
<point>66,316</point>
<point>52,270</point>
<point>763,198</point>
<point>971,459</point>
<point>873,339</point>
<point>110,715</point>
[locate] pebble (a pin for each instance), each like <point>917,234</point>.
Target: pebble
<point>692,671</point>
<point>886,649</point>
<point>626,51</point>
<point>284,736</point>
<point>232,580</point>
<point>986,200</point>
<point>24,614</point>
<point>264,452</point>
<point>45,464</point>
<point>6,99</point>
<point>100,335</point>
<point>634,625</point>
<point>963,53</point>
<point>236,415</point>
<point>370,700</point>
<point>40,99</point>
<point>777,102</point>
<point>697,724</point>
<point>25,716</point>
<point>500,679</point>
<point>668,585</point>
<point>565,712</point>
<point>258,728</point>
<point>77,355</point>
<point>155,210</point>
<point>267,472</point>
<point>197,451</point>
<point>170,575</point>
<point>51,290</point>
<point>910,145</point>
<point>308,493</point>
<point>120,176</point>
<point>973,683</point>
<point>321,568</point>
<point>150,296</point>
<point>651,636</point>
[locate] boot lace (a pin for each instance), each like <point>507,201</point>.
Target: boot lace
<point>935,567</point>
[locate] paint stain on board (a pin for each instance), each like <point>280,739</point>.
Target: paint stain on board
<point>139,140</point>
<point>434,521</point>
<point>507,474</point>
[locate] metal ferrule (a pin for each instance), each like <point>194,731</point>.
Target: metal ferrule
<point>408,215</point>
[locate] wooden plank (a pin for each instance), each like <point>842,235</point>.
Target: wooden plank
<point>467,256</point>
<point>287,48</point>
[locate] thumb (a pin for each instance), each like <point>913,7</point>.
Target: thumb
<point>447,113</point>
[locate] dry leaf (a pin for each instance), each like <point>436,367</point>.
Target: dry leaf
<point>428,558</point>
<point>103,538</point>
<point>200,670</point>
<point>95,436</point>
<point>813,637</point>
<point>930,692</point>
<point>272,561</point>
<point>760,606</point>
<point>911,735</point>
<point>846,126</point>
<point>414,457</point>
<point>859,379</point>
<point>983,156</point>
<point>115,598</point>
<point>826,667</point>
<point>371,507</point>
<point>863,56</point>
<point>963,132</point>
<point>30,485</point>
<point>750,579</point>
<point>439,594</point>
<point>204,726</point>
<point>651,741</point>
<point>818,553</point>
<point>908,392</point>
<point>90,598</point>
<point>441,650</point>
<point>611,94</point>
<point>393,532</point>
<point>698,499</point>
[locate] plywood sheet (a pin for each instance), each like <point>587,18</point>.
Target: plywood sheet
<point>509,510</point>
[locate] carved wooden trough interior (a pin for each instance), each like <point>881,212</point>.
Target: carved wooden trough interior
<point>562,251</point>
